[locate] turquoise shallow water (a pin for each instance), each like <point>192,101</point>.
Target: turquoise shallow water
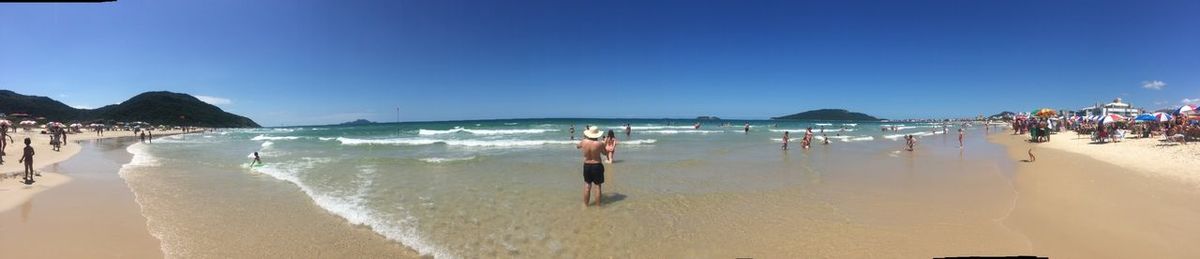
<point>512,187</point>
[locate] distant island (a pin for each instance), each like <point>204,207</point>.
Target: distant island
<point>357,122</point>
<point>157,108</point>
<point>828,114</point>
<point>708,118</point>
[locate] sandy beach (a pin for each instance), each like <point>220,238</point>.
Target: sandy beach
<point>1082,200</point>
<point>81,179</point>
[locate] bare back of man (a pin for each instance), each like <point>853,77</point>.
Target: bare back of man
<point>593,170</point>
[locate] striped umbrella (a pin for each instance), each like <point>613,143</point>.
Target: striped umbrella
<point>1111,118</point>
<point>1186,109</point>
<point>1162,116</point>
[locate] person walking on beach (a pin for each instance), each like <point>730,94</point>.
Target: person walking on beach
<point>785,140</point>
<point>149,136</point>
<point>747,129</point>
<point>628,130</point>
<point>960,138</point>
<point>3,135</point>
<point>807,140</point>
<point>142,136</point>
<point>54,141</point>
<point>572,131</point>
<point>610,145</point>
<point>27,158</point>
<point>593,170</point>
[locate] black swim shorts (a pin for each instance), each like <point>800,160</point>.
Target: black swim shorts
<point>593,173</point>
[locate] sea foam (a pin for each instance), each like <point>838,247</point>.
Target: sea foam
<point>353,208</point>
<point>469,142</point>
<point>265,137</point>
<point>483,132</point>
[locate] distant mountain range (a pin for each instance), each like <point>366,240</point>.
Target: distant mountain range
<point>828,114</point>
<point>165,108</point>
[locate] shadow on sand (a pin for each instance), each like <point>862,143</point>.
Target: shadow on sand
<point>610,198</point>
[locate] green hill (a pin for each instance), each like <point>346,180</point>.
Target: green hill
<point>828,114</point>
<point>166,108</point>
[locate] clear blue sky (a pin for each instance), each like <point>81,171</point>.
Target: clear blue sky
<point>313,62</point>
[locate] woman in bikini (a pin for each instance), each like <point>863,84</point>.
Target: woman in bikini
<point>610,145</point>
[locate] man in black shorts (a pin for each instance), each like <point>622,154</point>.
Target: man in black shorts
<point>593,171</point>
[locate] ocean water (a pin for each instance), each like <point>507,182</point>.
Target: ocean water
<point>512,188</point>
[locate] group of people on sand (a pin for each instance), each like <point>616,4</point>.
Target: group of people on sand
<point>58,137</point>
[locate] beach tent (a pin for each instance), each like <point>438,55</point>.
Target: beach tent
<point>1186,109</point>
<point>1111,118</point>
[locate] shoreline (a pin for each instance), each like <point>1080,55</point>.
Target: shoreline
<point>1076,202</point>
<point>81,179</point>
<point>14,193</point>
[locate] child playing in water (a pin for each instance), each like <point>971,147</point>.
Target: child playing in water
<point>256,160</point>
<point>27,158</point>
<point>785,140</point>
<point>910,141</point>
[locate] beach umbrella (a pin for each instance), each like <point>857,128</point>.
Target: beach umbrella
<point>1186,109</point>
<point>1045,112</point>
<point>1162,116</point>
<point>5,123</point>
<point>1158,116</point>
<point>1111,118</point>
<point>28,123</point>
<point>76,125</point>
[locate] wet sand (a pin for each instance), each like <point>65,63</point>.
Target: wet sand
<point>1071,205</point>
<point>13,193</point>
<point>91,216</point>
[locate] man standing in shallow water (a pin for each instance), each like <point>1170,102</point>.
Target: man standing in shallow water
<point>593,171</point>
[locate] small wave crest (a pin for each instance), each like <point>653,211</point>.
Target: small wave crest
<point>483,131</point>
<point>439,160</point>
<point>468,142</point>
<point>265,137</point>
<point>681,131</point>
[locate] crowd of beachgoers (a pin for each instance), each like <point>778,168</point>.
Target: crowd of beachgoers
<point>1180,127</point>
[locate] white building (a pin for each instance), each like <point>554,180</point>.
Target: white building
<point>1115,107</point>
